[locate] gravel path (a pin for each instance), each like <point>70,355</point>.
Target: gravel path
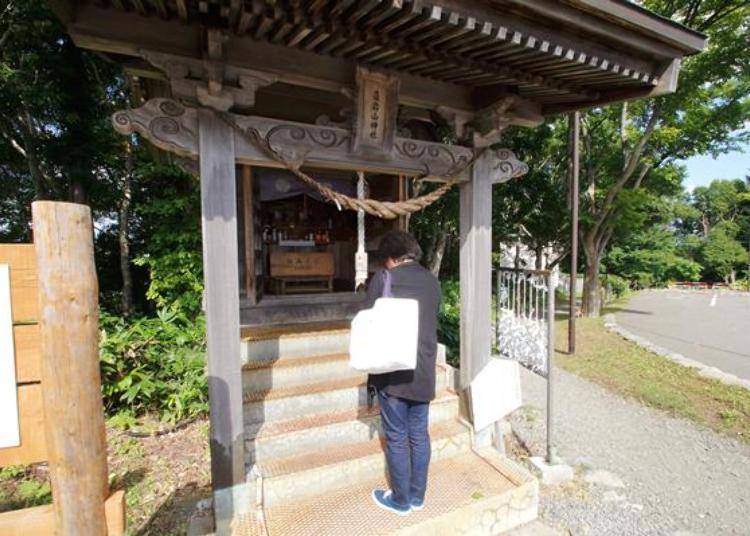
<point>640,471</point>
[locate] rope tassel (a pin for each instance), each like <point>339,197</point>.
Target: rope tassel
<point>360,258</point>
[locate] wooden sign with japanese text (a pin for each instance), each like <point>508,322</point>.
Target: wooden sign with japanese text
<point>377,109</point>
<point>22,435</point>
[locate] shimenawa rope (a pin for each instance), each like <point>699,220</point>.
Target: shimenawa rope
<point>383,209</point>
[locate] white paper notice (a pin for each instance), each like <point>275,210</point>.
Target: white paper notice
<point>9,431</point>
<point>495,392</point>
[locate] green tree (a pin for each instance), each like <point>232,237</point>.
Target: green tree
<point>722,253</point>
<point>651,257</point>
<point>533,210</point>
<point>627,147</point>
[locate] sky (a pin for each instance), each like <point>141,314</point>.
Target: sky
<point>701,170</point>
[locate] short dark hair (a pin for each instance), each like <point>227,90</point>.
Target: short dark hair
<point>399,245</point>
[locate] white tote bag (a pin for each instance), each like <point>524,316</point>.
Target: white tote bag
<point>384,338</point>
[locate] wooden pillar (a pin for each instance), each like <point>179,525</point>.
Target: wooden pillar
<point>71,393</point>
<point>222,304</point>
<point>249,233</point>
<point>476,269</point>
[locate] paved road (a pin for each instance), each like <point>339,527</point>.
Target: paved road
<point>642,472</point>
<point>712,327</point>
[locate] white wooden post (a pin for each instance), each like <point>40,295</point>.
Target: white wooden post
<point>221,276</point>
<point>476,268</point>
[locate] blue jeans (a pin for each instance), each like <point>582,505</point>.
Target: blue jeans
<point>407,446</point>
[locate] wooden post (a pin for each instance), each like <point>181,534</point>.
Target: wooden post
<point>72,398</point>
<point>249,233</point>
<point>476,269</point>
<point>221,276</point>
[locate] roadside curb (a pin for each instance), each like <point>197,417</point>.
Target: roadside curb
<point>713,373</point>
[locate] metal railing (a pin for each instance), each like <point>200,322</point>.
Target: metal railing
<point>525,326</point>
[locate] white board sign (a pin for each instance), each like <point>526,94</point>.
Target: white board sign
<point>495,392</point>
<point>9,431</point>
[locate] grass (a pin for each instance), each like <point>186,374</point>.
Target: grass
<point>625,368</point>
<point>23,487</point>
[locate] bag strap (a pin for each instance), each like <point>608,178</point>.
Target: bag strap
<point>387,284</point>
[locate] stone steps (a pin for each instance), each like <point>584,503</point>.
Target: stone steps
<point>325,470</point>
<point>474,493</point>
<point>275,404</point>
<point>264,441</point>
<point>265,374</point>
<point>305,341</point>
<point>314,451</point>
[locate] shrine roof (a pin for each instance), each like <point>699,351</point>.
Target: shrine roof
<point>560,55</point>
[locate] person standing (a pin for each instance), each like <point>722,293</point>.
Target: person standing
<point>404,396</point>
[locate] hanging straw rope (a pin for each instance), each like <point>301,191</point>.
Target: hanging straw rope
<point>388,210</point>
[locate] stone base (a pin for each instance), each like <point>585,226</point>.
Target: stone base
<point>201,522</point>
<point>550,475</point>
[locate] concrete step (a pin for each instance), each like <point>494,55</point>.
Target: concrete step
<point>294,341</point>
<point>325,470</point>
<point>265,374</point>
<point>340,394</point>
<point>479,493</point>
<point>266,441</point>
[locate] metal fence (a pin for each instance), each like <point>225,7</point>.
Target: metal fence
<point>524,323</point>
<point>525,326</point>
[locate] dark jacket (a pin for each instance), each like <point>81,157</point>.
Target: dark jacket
<point>411,280</point>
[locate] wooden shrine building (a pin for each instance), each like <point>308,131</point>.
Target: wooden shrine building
<point>296,111</point>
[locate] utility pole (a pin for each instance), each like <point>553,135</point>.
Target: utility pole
<point>574,121</point>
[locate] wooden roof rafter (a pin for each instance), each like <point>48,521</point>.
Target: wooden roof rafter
<point>543,55</point>
<point>400,39</point>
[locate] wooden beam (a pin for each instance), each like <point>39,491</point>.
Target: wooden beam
<point>475,268</point>
<point>248,216</point>
<point>610,18</point>
<point>567,31</point>
<point>665,84</point>
<point>172,127</point>
<point>72,396</point>
<point>129,34</point>
<point>221,276</point>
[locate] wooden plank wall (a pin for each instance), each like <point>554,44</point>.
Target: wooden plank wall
<point>25,315</point>
<point>26,337</point>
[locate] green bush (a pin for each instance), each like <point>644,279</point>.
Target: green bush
<point>154,366</point>
<point>618,286</point>
<point>449,320</point>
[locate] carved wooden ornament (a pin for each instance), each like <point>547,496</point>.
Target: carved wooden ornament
<point>173,127</point>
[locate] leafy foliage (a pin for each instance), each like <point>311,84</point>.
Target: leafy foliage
<point>449,320</point>
<point>154,365</point>
<point>650,258</point>
<point>167,235</point>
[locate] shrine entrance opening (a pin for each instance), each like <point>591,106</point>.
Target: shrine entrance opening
<point>297,250</point>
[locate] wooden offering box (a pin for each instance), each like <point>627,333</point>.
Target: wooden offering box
<point>302,271</point>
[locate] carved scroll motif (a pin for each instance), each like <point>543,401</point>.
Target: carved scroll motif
<point>295,142</point>
<point>505,166</point>
<point>165,123</point>
<point>437,159</point>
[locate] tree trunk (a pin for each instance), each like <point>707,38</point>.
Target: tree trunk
<point>438,253</point>
<point>124,239</point>
<point>32,158</point>
<point>592,302</point>
<point>539,258</point>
